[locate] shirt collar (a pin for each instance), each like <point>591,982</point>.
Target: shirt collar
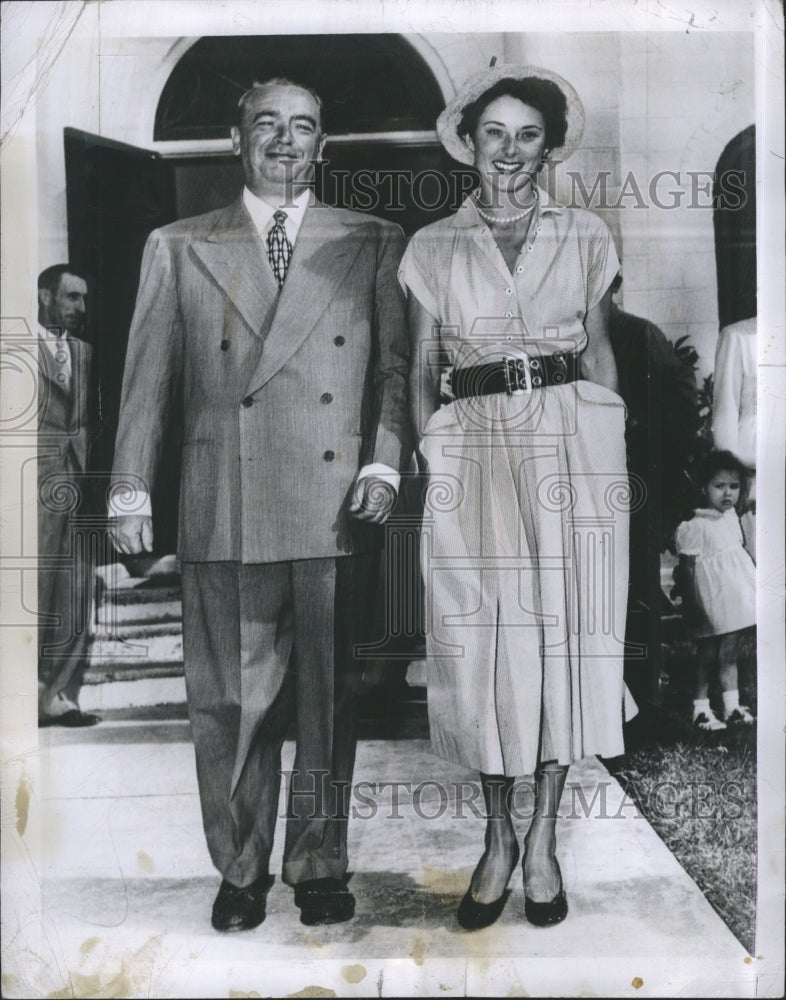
<point>467,215</point>
<point>54,333</point>
<point>262,212</point>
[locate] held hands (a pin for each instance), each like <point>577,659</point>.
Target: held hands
<point>372,500</point>
<point>132,534</point>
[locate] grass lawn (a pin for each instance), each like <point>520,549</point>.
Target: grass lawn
<point>698,790</point>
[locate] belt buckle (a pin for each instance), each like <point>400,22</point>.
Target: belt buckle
<point>517,376</point>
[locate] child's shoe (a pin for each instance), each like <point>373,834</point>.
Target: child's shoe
<point>708,721</point>
<point>741,716</point>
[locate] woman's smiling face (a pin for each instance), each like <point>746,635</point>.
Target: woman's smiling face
<point>508,143</point>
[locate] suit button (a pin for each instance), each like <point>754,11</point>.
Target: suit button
<point>248,401</point>
<point>224,345</point>
<point>339,341</point>
<point>326,398</point>
<point>329,456</point>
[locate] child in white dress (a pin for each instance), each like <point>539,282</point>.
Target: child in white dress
<point>718,585</point>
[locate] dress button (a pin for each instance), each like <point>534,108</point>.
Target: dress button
<point>326,398</point>
<point>339,341</point>
<point>248,401</point>
<point>329,456</point>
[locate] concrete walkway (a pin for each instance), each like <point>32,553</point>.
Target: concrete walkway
<point>125,886</point>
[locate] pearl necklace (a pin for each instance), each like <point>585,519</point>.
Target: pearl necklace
<point>507,220</point>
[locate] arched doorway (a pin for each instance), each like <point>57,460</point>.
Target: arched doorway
<point>734,217</point>
<point>381,101</point>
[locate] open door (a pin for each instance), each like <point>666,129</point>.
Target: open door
<point>116,194</point>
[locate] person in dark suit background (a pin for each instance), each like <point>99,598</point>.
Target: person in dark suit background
<point>64,580</point>
<point>660,395</point>
<point>284,321</point>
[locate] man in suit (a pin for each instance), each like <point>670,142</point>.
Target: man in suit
<point>64,580</point>
<point>284,321</point>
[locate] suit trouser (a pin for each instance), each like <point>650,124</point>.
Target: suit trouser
<point>64,595</point>
<point>264,644</point>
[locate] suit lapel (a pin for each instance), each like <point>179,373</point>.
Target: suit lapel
<point>49,371</point>
<point>234,254</point>
<point>323,254</point>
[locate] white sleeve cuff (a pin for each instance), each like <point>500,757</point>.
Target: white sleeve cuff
<point>123,502</point>
<point>381,471</point>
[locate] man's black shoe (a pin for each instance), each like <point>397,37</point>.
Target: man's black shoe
<point>324,901</point>
<point>72,719</point>
<point>240,909</point>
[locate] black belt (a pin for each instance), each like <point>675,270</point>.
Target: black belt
<point>516,374</point>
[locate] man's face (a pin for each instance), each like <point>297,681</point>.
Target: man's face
<point>278,137</point>
<point>66,307</point>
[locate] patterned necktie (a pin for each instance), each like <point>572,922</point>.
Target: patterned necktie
<point>279,249</point>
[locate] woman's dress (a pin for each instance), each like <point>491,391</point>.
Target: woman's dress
<point>725,574</point>
<point>524,548</point>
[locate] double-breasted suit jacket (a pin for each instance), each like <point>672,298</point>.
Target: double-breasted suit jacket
<point>286,395</point>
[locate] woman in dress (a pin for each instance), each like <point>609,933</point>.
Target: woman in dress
<point>525,531</point>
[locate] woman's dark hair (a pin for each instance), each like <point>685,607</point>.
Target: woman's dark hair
<point>543,95</point>
<point>718,461</point>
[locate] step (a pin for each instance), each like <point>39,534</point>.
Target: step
<point>142,590</point>
<point>111,612</point>
<point>156,648</point>
<point>139,629</point>
<point>121,671</point>
<point>145,692</point>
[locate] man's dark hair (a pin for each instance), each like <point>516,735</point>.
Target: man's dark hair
<point>718,461</point>
<point>278,81</point>
<point>543,95</point>
<point>49,279</point>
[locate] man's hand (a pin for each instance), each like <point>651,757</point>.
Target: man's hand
<point>372,500</point>
<point>132,534</point>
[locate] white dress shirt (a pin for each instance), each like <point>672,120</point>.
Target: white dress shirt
<point>261,213</point>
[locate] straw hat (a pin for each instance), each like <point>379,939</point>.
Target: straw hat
<point>479,83</point>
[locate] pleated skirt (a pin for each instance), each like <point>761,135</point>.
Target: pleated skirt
<point>524,554</point>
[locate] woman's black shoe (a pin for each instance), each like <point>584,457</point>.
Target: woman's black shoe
<point>473,915</point>
<point>546,914</point>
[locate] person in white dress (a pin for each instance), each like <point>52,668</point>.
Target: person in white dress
<point>734,410</point>
<point>525,531</point>
<point>718,586</point>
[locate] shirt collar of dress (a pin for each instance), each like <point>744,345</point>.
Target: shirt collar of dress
<point>468,216</point>
<point>713,514</point>
<point>262,212</point>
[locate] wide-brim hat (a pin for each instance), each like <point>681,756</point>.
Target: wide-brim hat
<point>448,122</point>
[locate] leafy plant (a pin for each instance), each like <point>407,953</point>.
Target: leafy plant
<point>695,448</point>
